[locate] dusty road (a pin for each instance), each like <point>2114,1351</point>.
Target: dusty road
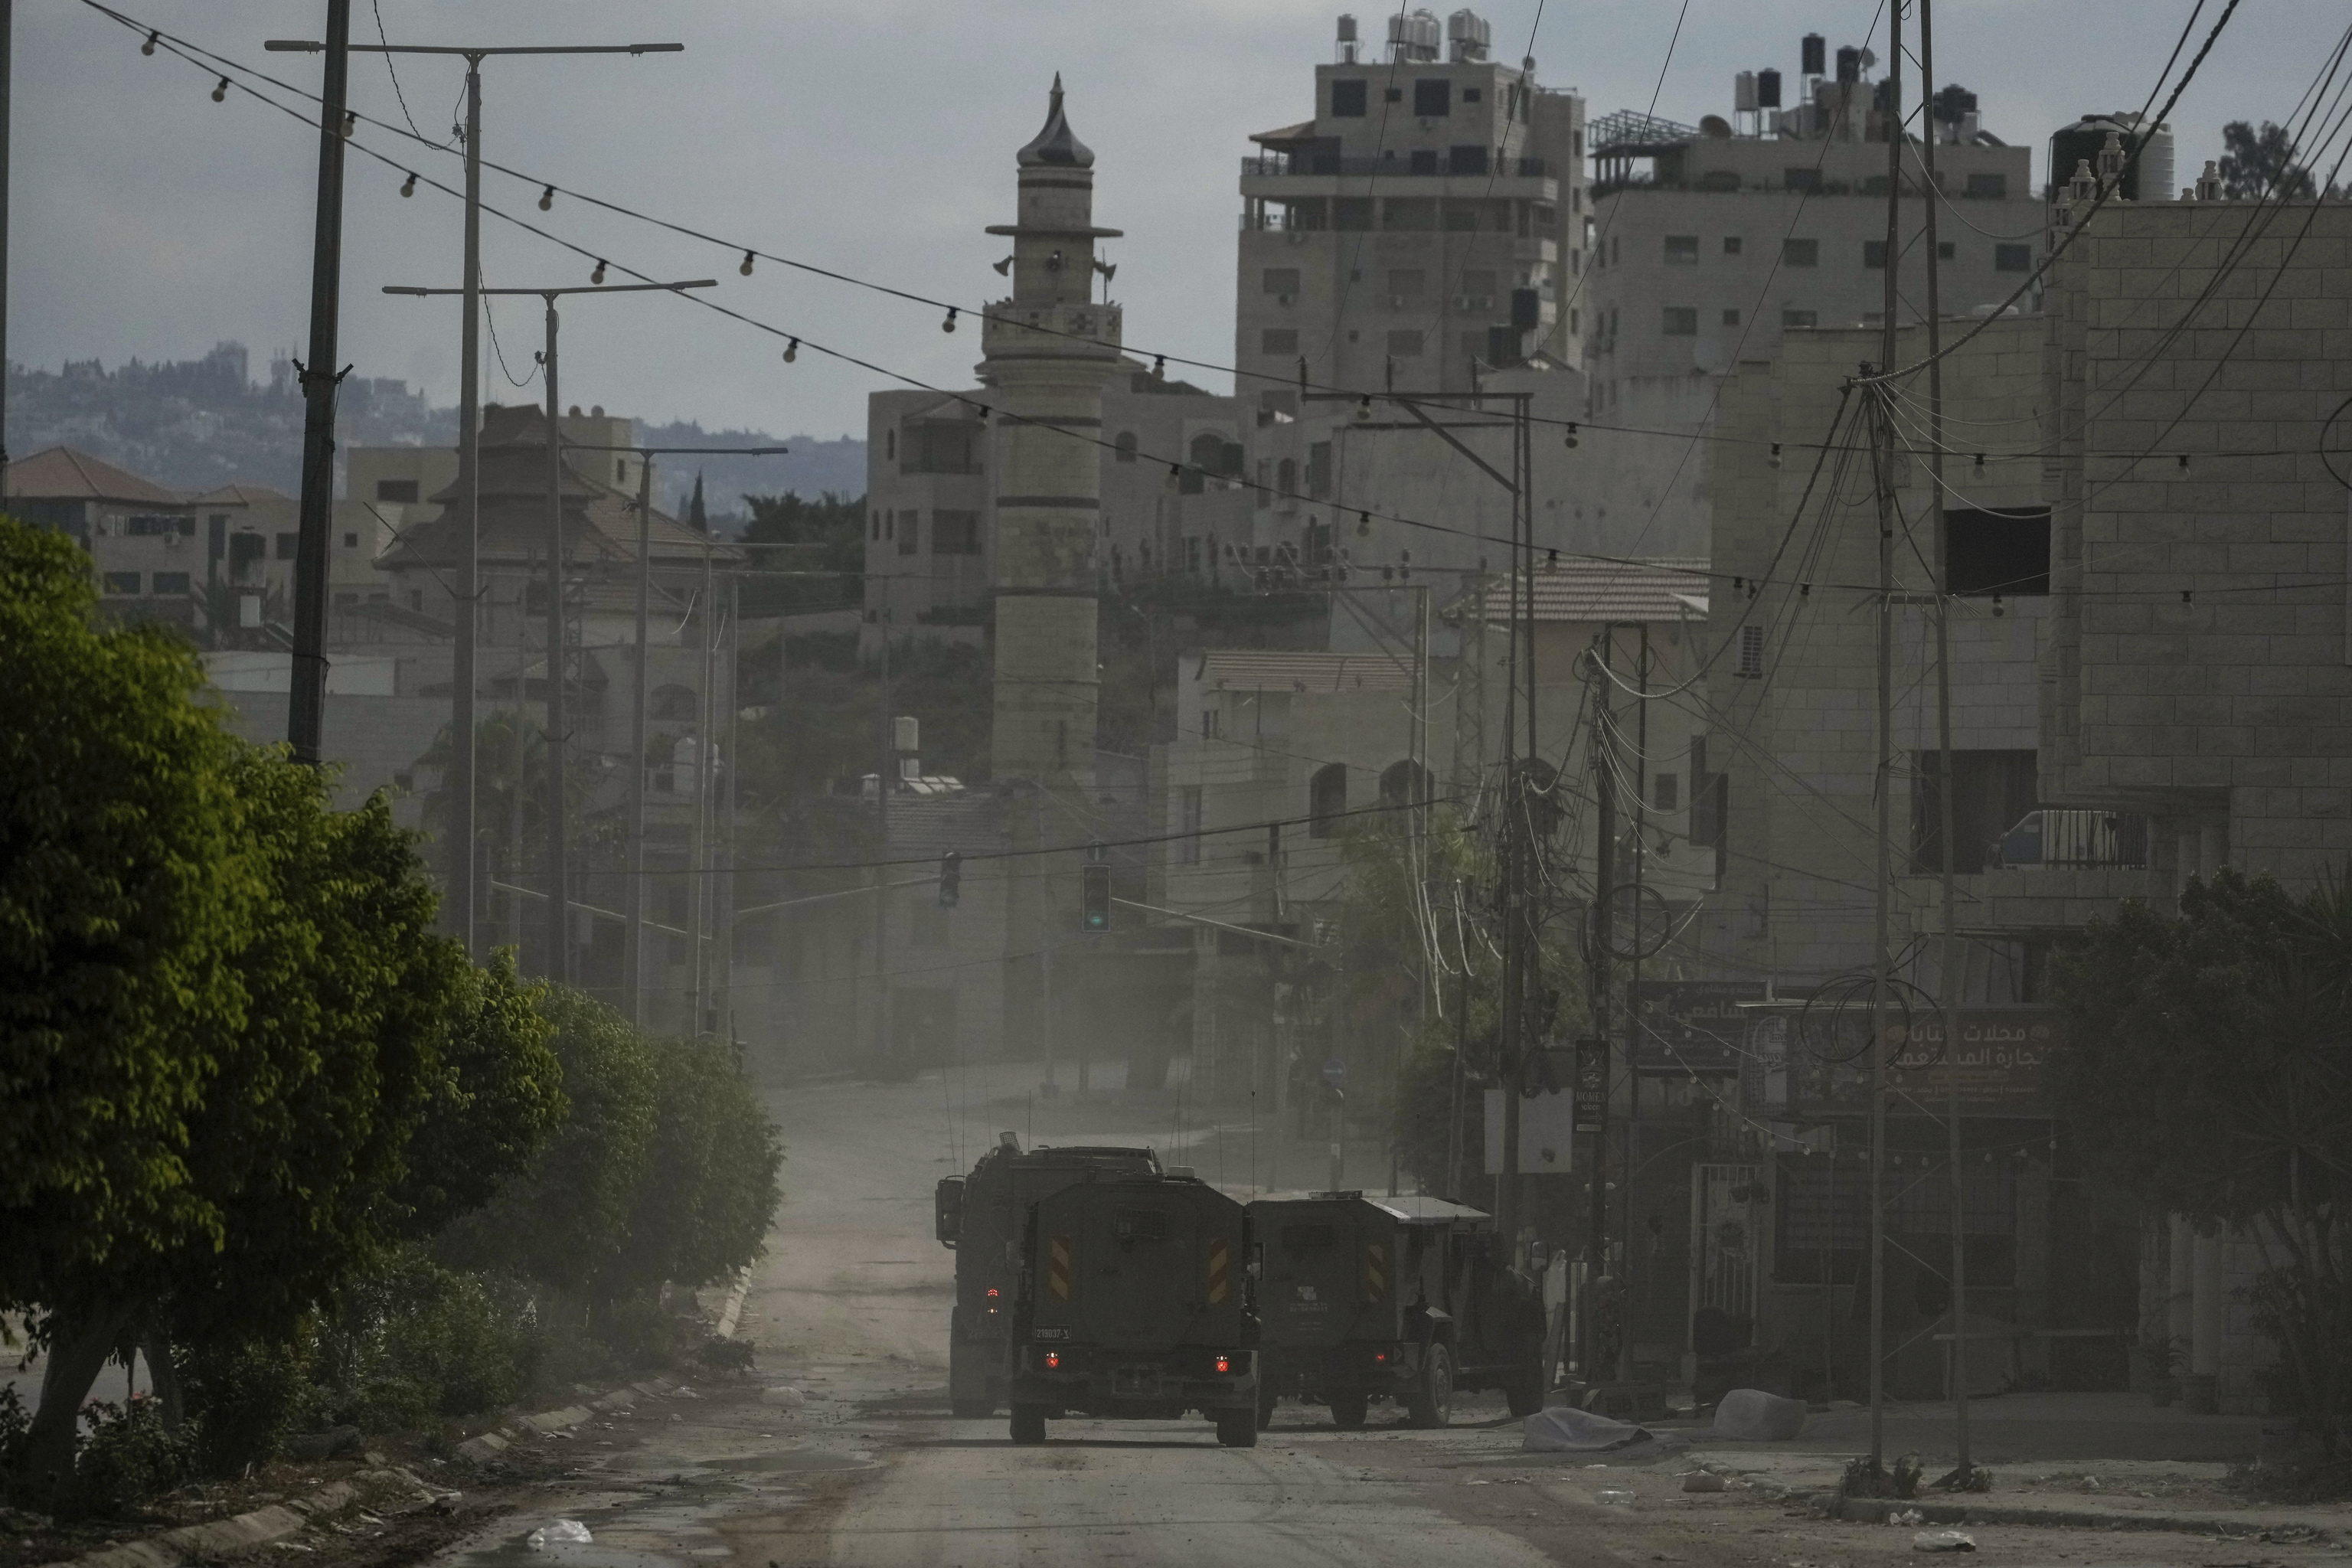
<point>841,1451</point>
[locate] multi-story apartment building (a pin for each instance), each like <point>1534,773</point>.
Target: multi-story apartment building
<point>1429,214</point>
<point>1745,227</point>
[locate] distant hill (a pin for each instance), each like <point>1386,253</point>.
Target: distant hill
<point>194,425</point>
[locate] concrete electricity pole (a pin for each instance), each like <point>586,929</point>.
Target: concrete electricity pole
<point>306,701</point>
<point>632,959</point>
<point>559,903</point>
<point>460,787</point>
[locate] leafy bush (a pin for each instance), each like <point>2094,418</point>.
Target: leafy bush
<point>246,1399</point>
<point>411,1342</point>
<point>128,1457</point>
<point>710,1186</point>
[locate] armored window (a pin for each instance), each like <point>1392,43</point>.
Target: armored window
<point>2012,257</point>
<point>1432,98</point>
<point>1348,95</point>
<point>1137,1223</point>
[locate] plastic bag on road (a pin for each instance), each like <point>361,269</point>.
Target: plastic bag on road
<point>558,1532</point>
<point>1943,1541</point>
<point>1615,1497</point>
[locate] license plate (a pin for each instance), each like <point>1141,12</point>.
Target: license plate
<point>1136,1380</point>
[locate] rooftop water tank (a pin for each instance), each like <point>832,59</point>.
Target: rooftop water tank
<point>1743,93</point>
<point>1815,49</point>
<point>2151,172</point>
<point>1767,90</point>
<point>1849,65</point>
<point>1469,34</point>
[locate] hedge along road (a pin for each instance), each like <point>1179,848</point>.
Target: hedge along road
<point>850,1306</point>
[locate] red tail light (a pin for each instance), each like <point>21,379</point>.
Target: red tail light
<point>1053,1360</point>
<point>1380,1355</point>
<point>1224,1363</point>
<point>992,1292</point>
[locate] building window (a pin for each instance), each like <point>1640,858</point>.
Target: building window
<point>401,493</point>
<point>1125,446</point>
<point>120,582</point>
<point>1998,551</point>
<point>1471,95</point>
<point>1272,340</point>
<point>1682,250</point>
<point>1995,185</point>
<point>1730,245</point>
<point>955,533</point>
<point>1791,317</point>
<point>1573,327</point>
<point>1991,792</point>
<point>1348,96</point>
<point>1351,214</point>
<point>350,541</point>
<point>890,445</point>
<point>1286,479</point>
<point>874,528</point>
<point>1805,179</point>
<point>1667,792</point>
<point>1404,785</point>
<point>1405,344</point>
<point>1465,161</point>
<point>287,545</point>
<point>1280,280</point>
<point>150,526</point>
<point>170,583</point>
<point>1319,469</point>
<point>1188,820</point>
<point>1682,321</point>
<point>1432,98</point>
<point>2012,258</point>
<point>1946,250</point>
<point>909,530</point>
<point>1752,653</point>
<point>1801,253</point>
<point>1874,254</point>
<point>1732,318</point>
<point>1327,799</point>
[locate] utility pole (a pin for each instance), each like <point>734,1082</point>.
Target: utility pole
<point>460,786</point>
<point>7,82</point>
<point>698,853</point>
<point>884,768</point>
<point>306,701</point>
<point>558,905</point>
<point>633,964</point>
<point>1882,933</point>
<point>1605,943</point>
<point>1631,1159</point>
<point>1952,969</point>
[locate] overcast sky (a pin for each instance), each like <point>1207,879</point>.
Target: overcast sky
<point>873,138</point>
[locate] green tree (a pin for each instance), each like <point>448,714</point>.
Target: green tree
<point>710,1186</point>
<point>827,536</point>
<point>2205,1073</point>
<point>565,1219</point>
<point>2261,163</point>
<point>1417,907</point>
<point>123,892</point>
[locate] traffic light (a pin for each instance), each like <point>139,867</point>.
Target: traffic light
<point>951,879</point>
<point>1094,903</point>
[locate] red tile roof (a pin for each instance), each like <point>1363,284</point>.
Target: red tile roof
<point>62,473</point>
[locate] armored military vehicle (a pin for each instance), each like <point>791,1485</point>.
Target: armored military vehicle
<point>1405,1299</point>
<point>1136,1301</point>
<point>982,1216</point>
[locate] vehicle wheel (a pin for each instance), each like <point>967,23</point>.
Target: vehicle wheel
<point>1028,1424</point>
<point>1266,1401</point>
<point>1431,1403</point>
<point>1347,1407</point>
<point>1237,1427</point>
<point>1524,1393</point>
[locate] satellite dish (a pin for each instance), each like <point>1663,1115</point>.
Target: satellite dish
<point>1869,59</point>
<point>1715,125</point>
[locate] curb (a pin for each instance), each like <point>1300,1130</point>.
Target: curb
<point>498,1440</point>
<point>224,1537</point>
<point>1875,1511</point>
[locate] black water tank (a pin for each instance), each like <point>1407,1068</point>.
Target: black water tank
<point>1767,90</point>
<point>1816,54</point>
<point>2085,139</point>
<point>1849,62</point>
<point>1954,103</point>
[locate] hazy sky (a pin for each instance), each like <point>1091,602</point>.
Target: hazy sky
<point>873,138</point>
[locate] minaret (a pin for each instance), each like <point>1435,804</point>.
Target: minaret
<point>1049,350</point>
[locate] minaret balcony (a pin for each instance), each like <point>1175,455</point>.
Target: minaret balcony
<point>1017,329</point>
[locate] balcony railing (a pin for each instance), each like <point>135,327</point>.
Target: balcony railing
<point>1423,165</point>
<point>2053,839</point>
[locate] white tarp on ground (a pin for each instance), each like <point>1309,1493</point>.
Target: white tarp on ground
<point>1565,1429</point>
<point>1756,1416</point>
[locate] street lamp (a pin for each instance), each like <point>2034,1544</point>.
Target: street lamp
<point>558,902</point>
<point>460,787</point>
